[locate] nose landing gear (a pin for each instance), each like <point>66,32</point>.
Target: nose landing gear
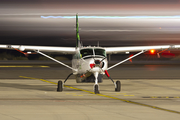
<point>96,89</point>
<point>96,86</point>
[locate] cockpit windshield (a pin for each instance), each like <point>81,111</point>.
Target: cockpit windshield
<point>89,52</point>
<point>86,52</point>
<point>100,52</point>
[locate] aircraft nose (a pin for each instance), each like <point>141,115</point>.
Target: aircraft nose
<point>96,69</point>
<point>97,62</point>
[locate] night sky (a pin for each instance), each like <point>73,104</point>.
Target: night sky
<point>21,22</point>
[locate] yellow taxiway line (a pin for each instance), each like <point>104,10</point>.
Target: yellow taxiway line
<point>107,96</point>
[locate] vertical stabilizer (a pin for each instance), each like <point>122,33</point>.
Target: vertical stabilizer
<point>78,44</point>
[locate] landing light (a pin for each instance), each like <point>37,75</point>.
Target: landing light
<point>127,52</point>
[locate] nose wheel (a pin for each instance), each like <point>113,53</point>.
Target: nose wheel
<point>96,89</point>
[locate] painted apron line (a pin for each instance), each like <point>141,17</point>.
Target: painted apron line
<point>107,96</point>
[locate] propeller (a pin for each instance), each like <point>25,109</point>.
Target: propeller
<point>98,63</point>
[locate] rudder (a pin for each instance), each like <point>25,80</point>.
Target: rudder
<point>78,44</point>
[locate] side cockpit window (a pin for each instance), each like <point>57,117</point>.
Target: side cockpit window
<point>86,52</point>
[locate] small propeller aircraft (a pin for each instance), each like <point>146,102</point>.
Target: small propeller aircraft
<point>89,64</point>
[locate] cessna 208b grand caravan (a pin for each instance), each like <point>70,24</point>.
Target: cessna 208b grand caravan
<point>89,64</point>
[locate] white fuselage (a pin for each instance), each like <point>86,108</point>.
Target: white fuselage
<point>83,61</point>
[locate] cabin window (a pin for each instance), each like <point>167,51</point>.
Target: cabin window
<point>100,52</point>
<point>86,52</point>
<point>77,56</point>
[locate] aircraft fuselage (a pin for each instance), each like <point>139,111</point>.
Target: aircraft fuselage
<point>88,60</point>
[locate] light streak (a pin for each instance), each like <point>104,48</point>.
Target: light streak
<point>114,17</point>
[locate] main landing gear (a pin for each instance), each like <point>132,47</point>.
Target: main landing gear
<point>118,86</point>
<point>60,84</point>
<point>117,83</point>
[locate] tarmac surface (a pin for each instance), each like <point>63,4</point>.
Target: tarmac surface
<point>30,93</point>
<point>52,70</point>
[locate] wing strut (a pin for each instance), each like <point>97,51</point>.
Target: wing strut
<point>55,60</point>
<point>127,59</point>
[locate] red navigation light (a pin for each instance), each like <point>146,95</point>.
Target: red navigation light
<point>152,51</point>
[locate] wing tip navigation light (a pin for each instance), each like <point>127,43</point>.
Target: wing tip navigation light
<point>152,51</point>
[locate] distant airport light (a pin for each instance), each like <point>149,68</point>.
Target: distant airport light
<point>152,51</point>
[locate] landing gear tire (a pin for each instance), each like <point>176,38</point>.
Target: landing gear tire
<point>60,86</point>
<point>96,89</point>
<point>118,86</point>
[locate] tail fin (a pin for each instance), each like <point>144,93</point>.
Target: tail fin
<point>78,44</point>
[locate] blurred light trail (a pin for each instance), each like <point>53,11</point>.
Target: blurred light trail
<point>116,17</point>
<point>111,30</point>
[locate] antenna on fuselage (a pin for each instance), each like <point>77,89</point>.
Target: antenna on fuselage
<point>98,44</point>
<point>81,43</point>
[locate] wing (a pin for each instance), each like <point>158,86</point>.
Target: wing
<point>64,50</point>
<point>115,50</point>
